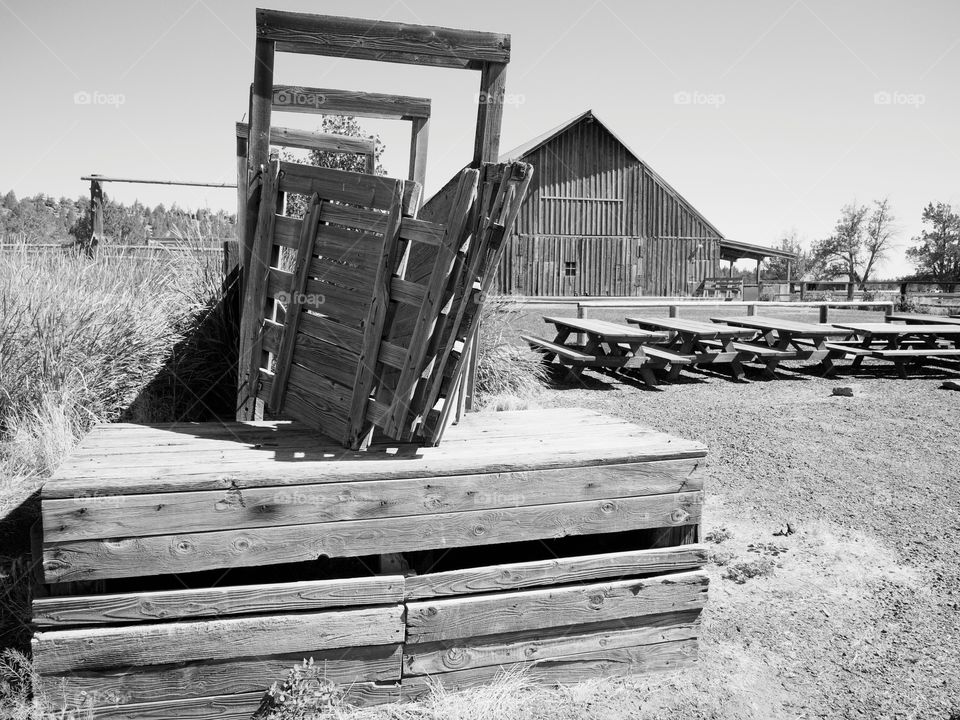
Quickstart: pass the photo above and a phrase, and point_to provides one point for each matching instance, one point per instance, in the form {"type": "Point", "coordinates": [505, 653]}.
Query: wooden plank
{"type": "Point", "coordinates": [361, 39]}
{"type": "Point", "coordinates": [493, 80]}
{"type": "Point", "coordinates": [234, 707]}
{"type": "Point", "coordinates": [491, 614]}
{"type": "Point", "coordinates": [370, 191]}
{"type": "Point", "coordinates": [373, 329]}
{"type": "Point", "coordinates": [408, 461]}
{"type": "Point", "coordinates": [257, 290]}
{"type": "Point", "coordinates": [189, 552]}
{"type": "Point", "coordinates": [153, 683]}
{"type": "Point", "coordinates": [342, 304]}
{"type": "Point", "coordinates": [216, 602]}
{"type": "Point", "coordinates": [604, 663]}
{"type": "Point", "coordinates": [433, 299]}
{"type": "Point", "coordinates": [58, 651]}
{"type": "Point", "coordinates": [555, 643]}
{"type": "Point", "coordinates": [294, 305]}
{"type": "Point", "coordinates": [312, 140]}
{"type": "Point", "coordinates": [510, 576]}
{"type": "Point", "coordinates": [328, 101]}
{"type": "Point", "coordinates": [154, 514]}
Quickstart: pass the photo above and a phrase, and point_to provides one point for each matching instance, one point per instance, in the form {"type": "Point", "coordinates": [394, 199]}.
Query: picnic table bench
{"type": "Point", "coordinates": [692, 342]}
{"type": "Point", "coordinates": [608, 345]}
{"type": "Point", "coordinates": [779, 340]}
{"type": "Point", "coordinates": [899, 343]}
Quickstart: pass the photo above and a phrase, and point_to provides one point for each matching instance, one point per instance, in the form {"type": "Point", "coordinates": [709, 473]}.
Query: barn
{"type": "Point", "coordinates": [599, 221]}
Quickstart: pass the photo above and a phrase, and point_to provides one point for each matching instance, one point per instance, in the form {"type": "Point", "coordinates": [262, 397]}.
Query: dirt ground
{"type": "Point", "coordinates": [857, 613]}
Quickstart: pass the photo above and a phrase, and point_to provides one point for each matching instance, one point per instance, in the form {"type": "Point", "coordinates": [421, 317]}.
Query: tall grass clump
{"type": "Point", "coordinates": [82, 339]}
{"type": "Point", "coordinates": [509, 376]}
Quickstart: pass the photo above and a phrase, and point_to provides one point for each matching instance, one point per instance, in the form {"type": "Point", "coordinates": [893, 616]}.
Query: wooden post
{"type": "Point", "coordinates": [674, 311]}
{"type": "Point", "coordinates": [903, 295]}
{"type": "Point", "coordinates": [850, 290]}
{"type": "Point", "coordinates": [96, 215]}
{"type": "Point", "coordinates": [239, 226]}
{"type": "Point", "coordinates": [493, 80]}
{"type": "Point", "coordinates": [803, 290]}
{"type": "Point", "coordinates": [751, 309]}
{"type": "Point", "coordinates": [261, 100]}
{"type": "Point", "coordinates": [824, 312]}
{"type": "Point", "coordinates": [419, 135]}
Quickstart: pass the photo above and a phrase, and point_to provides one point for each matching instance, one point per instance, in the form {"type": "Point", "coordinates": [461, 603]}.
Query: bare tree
{"type": "Point", "coordinates": [880, 233]}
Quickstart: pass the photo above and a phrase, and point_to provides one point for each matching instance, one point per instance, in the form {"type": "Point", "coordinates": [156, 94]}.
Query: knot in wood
{"type": "Point", "coordinates": [183, 547]}
{"type": "Point", "coordinates": [679, 515]}
{"type": "Point", "coordinates": [608, 507]}
{"type": "Point", "coordinates": [596, 601]}
{"type": "Point", "coordinates": [479, 530]}
{"type": "Point", "coordinates": [455, 658]}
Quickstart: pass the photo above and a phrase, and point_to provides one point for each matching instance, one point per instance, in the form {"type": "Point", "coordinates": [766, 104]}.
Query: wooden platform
{"type": "Point", "coordinates": [188, 566]}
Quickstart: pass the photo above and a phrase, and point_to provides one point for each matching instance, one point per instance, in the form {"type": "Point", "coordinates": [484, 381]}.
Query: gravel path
{"type": "Point", "coordinates": [855, 615]}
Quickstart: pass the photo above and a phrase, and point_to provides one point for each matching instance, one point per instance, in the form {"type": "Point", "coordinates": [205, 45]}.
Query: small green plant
{"type": "Point", "coordinates": [743, 571]}
{"type": "Point", "coordinates": [718, 535]}
{"type": "Point", "coordinates": [303, 693]}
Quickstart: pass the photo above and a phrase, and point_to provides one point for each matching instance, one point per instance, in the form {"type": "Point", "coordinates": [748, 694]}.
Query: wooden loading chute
{"type": "Point", "coordinates": [352, 38]}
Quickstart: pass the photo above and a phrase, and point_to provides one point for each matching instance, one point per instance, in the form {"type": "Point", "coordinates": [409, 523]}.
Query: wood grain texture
{"type": "Point", "coordinates": [327, 101]}
{"type": "Point", "coordinates": [234, 707]}
{"type": "Point", "coordinates": [156, 513]}
{"type": "Point", "coordinates": [537, 645]}
{"type": "Point", "coordinates": [371, 191]}
{"type": "Point", "coordinates": [361, 39]}
{"type": "Point", "coordinates": [462, 452]}
{"type": "Point", "coordinates": [216, 602]}
{"type": "Point", "coordinates": [576, 668]}
{"type": "Point", "coordinates": [558, 571]}
{"type": "Point", "coordinates": [59, 651]}
{"type": "Point", "coordinates": [189, 552]}
{"type": "Point", "coordinates": [153, 683]}
{"type": "Point", "coordinates": [312, 140]}
{"type": "Point", "coordinates": [465, 617]}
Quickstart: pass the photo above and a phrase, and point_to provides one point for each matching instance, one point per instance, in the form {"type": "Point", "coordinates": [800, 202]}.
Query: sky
{"type": "Point", "coordinates": [768, 115]}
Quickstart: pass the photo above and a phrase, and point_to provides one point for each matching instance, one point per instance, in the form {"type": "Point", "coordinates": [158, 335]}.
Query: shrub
{"type": "Point", "coordinates": [508, 376]}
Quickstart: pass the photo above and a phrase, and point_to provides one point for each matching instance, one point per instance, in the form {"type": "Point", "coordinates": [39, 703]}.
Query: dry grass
{"type": "Point", "coordinates": [508, 377]}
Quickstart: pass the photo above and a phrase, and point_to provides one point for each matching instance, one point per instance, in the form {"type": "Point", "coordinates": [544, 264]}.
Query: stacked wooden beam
{"type": "Point", "coordinates": [137, 507]}
{"type": "Point", "coordinates": [354, 337]}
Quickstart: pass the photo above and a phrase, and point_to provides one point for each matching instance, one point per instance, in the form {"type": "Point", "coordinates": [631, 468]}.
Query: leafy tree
{"type": "Point", "coordinates": [10, 200]}
{"type": "Point", "coordinates": [337, 125]}
{"type": "Point", "coordinates": [860, 240]}
{"type": "Point", "coordinates": [776, 268]}
{"type": "Point", "coordinates": [936, 253]}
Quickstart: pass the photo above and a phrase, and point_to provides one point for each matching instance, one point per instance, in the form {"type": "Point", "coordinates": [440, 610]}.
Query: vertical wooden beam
{"type": "Point", "coordinates": [240, 224]}
{"type": "Point", "coordinates": [258, 155]}
{"type": "Point", "coordinates": [419, 135]}
{"type": "Point", "coordinates": [493, 80]}
{"type": "Point", "coordinates": [96, 213]}
{"type": "Point", "coordinates": [261, 101]}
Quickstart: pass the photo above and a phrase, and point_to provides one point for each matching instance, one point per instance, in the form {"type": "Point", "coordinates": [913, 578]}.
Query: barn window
{"type": "Point", "coordinates": [569, 268]}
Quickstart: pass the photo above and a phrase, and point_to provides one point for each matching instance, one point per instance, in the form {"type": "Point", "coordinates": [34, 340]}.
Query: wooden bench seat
{"type": "Point", "coordinates": [664, 355]}
{"type": "Point", "coordinates": [571, 356]}
{"type": "Point", "coordinates": [762, 350]}
{"type": "Point", "coordinates": [848, 348]}
{"type": "Point", "coordinates": [916, 352]}
{"type": "Point", "coordinates": [561, 351]}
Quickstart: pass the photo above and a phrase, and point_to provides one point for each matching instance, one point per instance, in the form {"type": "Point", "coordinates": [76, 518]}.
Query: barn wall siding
{"type": "Point", "coordinates": [594, 204]}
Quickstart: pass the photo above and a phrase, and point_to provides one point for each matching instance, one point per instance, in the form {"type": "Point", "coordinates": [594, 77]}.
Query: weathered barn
{"type": "Point", "coordinates": [599, 221]}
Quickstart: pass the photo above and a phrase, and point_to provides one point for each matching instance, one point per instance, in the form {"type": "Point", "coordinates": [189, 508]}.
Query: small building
{"type": "Point", "coordinates": [599, 221]}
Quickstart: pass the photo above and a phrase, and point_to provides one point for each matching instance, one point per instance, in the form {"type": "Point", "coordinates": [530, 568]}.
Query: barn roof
{"type": "Point", "coordinates": [528, 147]}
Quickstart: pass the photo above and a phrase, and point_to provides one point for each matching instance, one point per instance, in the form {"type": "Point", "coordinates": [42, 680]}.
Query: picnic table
{"type": "Point", "coordinates": [779, 340]}
{"type": "Point", "coordinates": [921, 319]}
{"type": "Point", "coordinates": [692, 342]}
{"type": "Point", "coordinates": [901, 344]}
{"type": "Point", "coordinates": [608, 345]}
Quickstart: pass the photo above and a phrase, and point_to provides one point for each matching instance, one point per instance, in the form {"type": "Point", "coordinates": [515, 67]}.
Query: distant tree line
{"type": "Point", "coordinates": [863, 236]}
{"type": "Point", "coordinates": [42, 219]}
